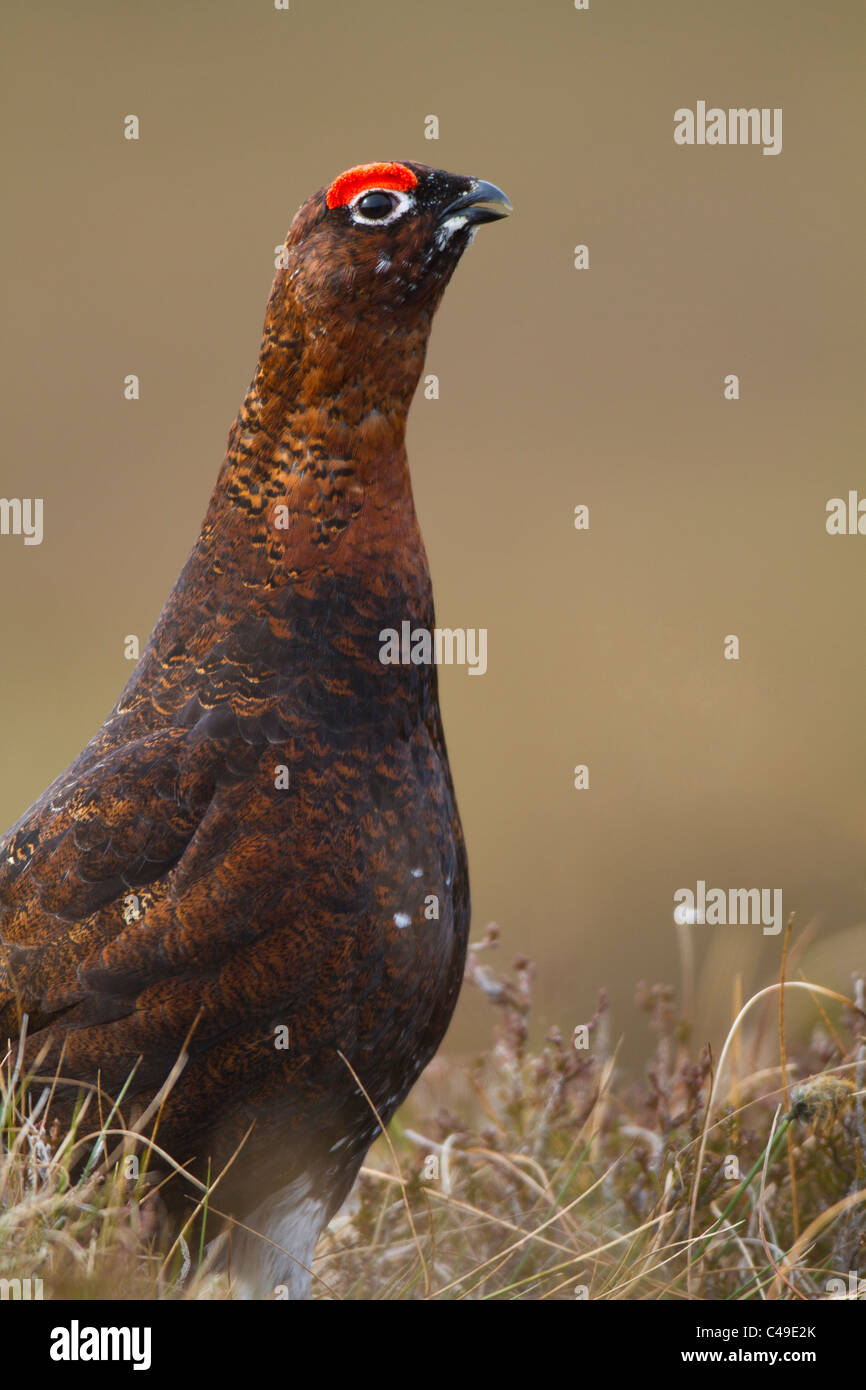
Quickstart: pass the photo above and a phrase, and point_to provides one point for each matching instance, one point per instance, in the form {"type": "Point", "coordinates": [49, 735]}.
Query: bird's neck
{"type": "Point", "coordinates": [315, 486]}
{"type": "Point", "coordinates": [311, 538]}
{"type": "Point", "coordinates": [347, 370]}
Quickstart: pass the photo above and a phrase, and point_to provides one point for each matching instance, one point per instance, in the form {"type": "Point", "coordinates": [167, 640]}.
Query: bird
{"type": "Point", "coordinates": [252, 882]}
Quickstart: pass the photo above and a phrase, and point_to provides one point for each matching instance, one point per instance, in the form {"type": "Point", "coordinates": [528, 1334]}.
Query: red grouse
{"type": "Point", "coordinates": [259, 853]}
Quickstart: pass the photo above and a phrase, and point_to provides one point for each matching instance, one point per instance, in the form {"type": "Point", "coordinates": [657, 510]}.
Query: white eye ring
{"type": "Point", "coordinates": [403, 202]}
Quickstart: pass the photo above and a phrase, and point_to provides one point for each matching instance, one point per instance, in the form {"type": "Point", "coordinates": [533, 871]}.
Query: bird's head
{"type": "Point", "coordinates": [383, 237]}
{"type": "Point", "coordinates": [365, 264]}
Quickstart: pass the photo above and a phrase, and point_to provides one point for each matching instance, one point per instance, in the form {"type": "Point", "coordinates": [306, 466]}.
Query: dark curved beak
{"type": "Point", "coordinates": [472, 205]}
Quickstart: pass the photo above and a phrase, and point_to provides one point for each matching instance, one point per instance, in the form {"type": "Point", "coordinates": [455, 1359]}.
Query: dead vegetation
{"type": "Point", "coordinates": [529, 1173]}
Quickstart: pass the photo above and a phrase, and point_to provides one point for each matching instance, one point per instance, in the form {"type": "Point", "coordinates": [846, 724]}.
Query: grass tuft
{"type": "Point", "coordinates": [530, 1172]}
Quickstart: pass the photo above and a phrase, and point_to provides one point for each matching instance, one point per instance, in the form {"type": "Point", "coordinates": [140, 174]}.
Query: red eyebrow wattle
{"type": "Point", "coordinates": [348, 185]}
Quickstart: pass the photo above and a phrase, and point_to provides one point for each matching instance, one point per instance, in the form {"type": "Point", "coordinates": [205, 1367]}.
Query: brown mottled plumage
{"type": "Point", "coordinates": [165, 884]}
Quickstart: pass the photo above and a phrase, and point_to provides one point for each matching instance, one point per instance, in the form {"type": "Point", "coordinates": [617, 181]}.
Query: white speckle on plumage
{"type": "Point", "coordinates": [416, 873]}
{"type": "Point", "coordinates": [448, 228]}
{"type": "Point", "coordinates": [383, 264]}
{"type": "Point", "coordinates": [402, 919]}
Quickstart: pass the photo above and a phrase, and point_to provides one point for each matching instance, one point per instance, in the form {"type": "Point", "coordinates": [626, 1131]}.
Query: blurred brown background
{"type": "Point", "coordinates": [557, 387]}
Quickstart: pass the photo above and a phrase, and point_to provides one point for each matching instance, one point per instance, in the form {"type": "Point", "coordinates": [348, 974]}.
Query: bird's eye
{"type": "Point", "coordinates": [379, 206]}
{"type": "Point", "coordinates": [376, 205]}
